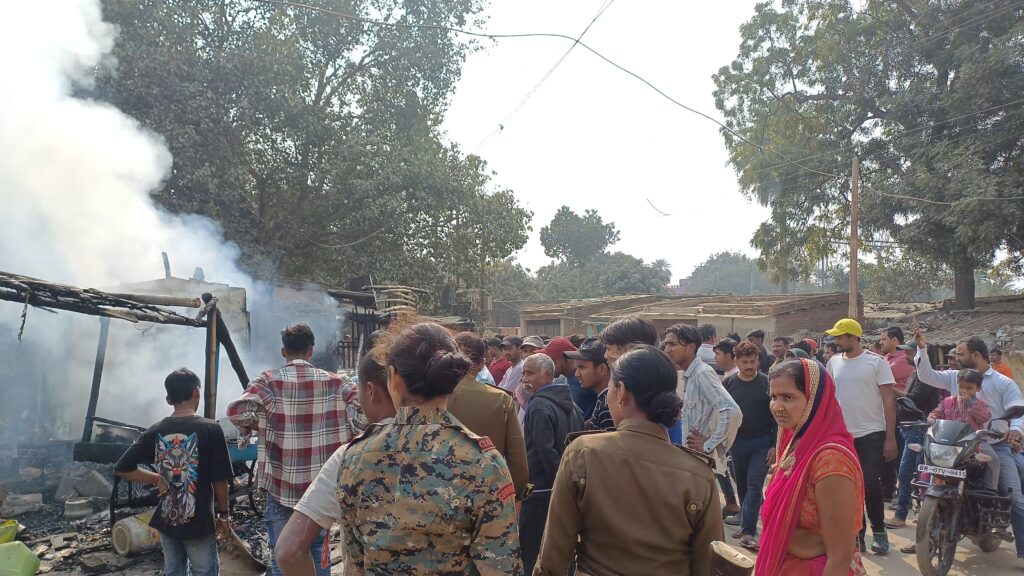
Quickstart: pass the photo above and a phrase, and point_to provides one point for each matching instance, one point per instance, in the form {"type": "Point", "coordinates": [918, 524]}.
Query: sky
{"type": "Point", "coordinates": [592, 137]}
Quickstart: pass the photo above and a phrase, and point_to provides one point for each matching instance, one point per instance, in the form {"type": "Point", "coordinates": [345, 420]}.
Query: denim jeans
{"type": "Point", "coordinates": [1009, 483]}
{"type": "Point", "coordinates": [869, 452]}
{"type": "Point", "coordinates": [277, 516]}
{"type": "Point", "coordinates": [750, 462]}
{"type": "Point", "coordinates": [182, 555]}
{"type": "Point", "coordinates": [908, 470]}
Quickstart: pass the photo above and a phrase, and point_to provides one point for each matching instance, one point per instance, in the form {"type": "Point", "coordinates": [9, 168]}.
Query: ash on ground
{"type": "Point", "coordinates": [38, 481]}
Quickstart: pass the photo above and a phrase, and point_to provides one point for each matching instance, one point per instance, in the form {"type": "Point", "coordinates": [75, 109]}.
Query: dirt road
{"type": "Point", "coordinates": [970, 561]}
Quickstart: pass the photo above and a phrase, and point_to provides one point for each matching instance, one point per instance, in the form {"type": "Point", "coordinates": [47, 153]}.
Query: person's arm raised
{"type": "Point", "coordinates": [925, 372]}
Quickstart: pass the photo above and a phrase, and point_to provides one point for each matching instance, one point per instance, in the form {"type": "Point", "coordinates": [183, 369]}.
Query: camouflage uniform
{"type": "Point", "coordinates": [424, 495]}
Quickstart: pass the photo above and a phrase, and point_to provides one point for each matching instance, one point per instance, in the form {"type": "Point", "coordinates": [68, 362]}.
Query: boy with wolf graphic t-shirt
{"type": "Point", "coordinates": [193, 469]}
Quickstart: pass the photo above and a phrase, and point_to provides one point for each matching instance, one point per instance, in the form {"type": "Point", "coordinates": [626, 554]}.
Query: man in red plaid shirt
{"type": "Point", "coordinates": [301, 414]}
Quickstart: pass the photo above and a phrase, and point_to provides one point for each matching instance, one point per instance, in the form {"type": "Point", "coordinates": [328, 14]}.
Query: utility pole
{"type": "Point", "coordinates": [854, 199]}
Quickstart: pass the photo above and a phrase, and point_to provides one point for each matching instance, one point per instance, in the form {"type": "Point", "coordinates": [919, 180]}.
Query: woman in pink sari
{"type": "Point", "coordinates": [814, 504]}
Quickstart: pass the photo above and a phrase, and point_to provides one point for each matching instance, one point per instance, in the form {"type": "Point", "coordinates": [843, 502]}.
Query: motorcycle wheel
{"type": "Point", "coordinates": [989, 543]}
{"type": "Point", "coordinates": [936, 544]}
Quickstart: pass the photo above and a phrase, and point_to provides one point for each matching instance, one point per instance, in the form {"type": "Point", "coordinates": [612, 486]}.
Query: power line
{"type": "Point", "coordinates": [536, 87]}
{"type": "Point", "coordinates": [576, 41]}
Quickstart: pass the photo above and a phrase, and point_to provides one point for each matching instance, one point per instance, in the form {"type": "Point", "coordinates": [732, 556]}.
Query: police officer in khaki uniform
{"type": "Point", "coordinates": [628, 501]}
{"type": "Point", "coordinates": [490, 411]}
{"type": "Point", "coordinates": [424, 495]}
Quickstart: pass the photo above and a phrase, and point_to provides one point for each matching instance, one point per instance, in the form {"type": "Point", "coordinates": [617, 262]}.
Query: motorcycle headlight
{"type": "Point", "coordinates": [942, 455]}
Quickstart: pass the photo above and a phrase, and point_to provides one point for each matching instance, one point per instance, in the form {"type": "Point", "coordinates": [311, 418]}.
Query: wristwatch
{"type": "Point", "coordinates": [223, 515]}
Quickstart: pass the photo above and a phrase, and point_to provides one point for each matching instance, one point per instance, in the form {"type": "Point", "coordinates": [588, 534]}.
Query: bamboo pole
{"type": "Point", "coordinates": [212, 356]}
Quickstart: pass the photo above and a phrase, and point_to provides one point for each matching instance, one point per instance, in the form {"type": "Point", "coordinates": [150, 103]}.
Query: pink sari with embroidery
{"type": "Point", "coordinates": [819, 447]}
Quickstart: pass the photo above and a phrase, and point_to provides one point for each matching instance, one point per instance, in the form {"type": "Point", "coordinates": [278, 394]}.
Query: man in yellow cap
{"type": "Point", "coordinates": [865, 391]}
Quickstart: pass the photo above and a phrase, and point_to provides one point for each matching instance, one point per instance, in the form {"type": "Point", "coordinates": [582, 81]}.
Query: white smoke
{"type": "Point", "coordinates": [75, 183]}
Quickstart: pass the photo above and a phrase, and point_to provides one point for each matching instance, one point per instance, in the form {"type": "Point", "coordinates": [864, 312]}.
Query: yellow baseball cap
{"type": "Point", "coordinates": [846, 326]}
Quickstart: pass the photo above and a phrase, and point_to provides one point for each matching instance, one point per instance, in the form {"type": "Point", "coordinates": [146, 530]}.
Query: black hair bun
{"type": "Point", "coordinates": [445, 370]}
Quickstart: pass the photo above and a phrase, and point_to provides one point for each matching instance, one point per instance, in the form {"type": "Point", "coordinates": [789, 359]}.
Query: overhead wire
{"type": "Point", "coordinates": [543, 79]}
{"type": "Point", "coordinates": [578, 42]}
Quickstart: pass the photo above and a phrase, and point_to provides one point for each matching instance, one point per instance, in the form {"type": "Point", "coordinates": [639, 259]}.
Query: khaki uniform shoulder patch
{"type": "Point", "coordinates": [707, 459]}
{"type": "Point", "coordinates": [574, 435]}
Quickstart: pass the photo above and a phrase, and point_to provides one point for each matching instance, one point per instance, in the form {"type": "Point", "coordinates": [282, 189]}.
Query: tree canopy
{"type": "Point", "coordinates": [575, 239]}
{"type": "Point", "coordinates": [314, 140]}
{"type": "Point", "coordinates": [926, 94]}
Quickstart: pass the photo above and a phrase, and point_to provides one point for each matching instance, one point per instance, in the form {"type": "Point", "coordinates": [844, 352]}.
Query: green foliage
{"type": "Point", "coordinates": [925, 93]}
{"type": "Point", "coordinates": [575, 239]}
{"type": "Point", "coordinates": [603, 275]}
{"type": "Point", "coordinates": [508, 280]}
{"type": "Point", "coordinates": [315, 140]}
{"type": "Point", "coordinates": [736, 273]}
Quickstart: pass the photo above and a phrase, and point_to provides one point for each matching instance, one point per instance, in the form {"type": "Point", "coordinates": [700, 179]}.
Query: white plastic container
{"type": "Point", "coordinates": [133, 535]}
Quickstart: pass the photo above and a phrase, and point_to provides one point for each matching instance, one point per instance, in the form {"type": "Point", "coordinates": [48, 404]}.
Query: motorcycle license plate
{"type": "Point", "coordinates": [952, 472]}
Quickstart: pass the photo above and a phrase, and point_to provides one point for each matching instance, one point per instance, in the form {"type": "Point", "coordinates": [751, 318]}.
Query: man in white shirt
{"type": "Point", "coordinates": [319, 510]}
{"type": "Point", "coordinates": [999, 392]}
{"type": "Point", "coordinates": [725, 358]}
{"type": "Point", "coordinates": [865, 391]}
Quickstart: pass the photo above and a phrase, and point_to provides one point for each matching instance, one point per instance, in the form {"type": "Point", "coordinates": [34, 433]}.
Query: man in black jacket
{"type": "Point", "coordinates": [550, 417]}
{"type": "Point", "coordinates": [926, 398]}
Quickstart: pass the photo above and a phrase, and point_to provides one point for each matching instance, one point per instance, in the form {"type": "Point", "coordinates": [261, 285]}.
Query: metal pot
{"type": "Point", "coordinates": [115, 434]}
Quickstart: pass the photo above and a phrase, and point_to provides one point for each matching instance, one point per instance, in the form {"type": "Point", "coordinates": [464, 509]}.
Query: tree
{"type": "Point", "coordinates": [926, 94]}
{"type": "Point", "coordinates": [603, 275]}
{"type": "Point", "coordinates": [575, 239]}
{"type": "Point", "coordinates": [727, 273]}
{"type": "Point", "coordinates": [508, 280]}
{"type": "Point", "coordinates": [315, 140]}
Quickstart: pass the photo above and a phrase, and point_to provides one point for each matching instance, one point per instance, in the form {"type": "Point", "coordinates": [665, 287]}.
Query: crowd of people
{"type": "Point", "coordinates": [628, 453]}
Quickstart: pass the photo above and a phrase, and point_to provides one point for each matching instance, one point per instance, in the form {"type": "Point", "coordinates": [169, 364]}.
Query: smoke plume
{"type": "Point", "coordinates": [75, 181]}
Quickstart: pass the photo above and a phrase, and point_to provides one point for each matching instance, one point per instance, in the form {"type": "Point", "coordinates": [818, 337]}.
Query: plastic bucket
{"type": "Point", "coordinates": [17, 560]}
{"type": "Point", "coordinates": [133, 535]}
{"type": "Point", "coordinates": [8, 530]}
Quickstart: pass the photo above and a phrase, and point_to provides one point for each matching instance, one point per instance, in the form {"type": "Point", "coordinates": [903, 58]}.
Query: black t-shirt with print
{"type": "Point", "coordinates": [190, 453]}
{"type": "Point", "coordinates": [602, 418]}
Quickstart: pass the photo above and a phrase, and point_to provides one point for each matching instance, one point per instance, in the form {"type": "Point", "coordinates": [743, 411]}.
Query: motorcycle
{"type": "Point", "coordinates": [955, 502]}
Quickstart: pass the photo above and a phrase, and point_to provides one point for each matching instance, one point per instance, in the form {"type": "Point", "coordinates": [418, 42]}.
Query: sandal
{"type": "Point", "coordinates": [894, 524]}
{"type": "Point", "coordinates": [909, 548]}
{"type": "Point", "coordinates": [737, 534]}
{"type": "Point", "coordinates": [749, 542]}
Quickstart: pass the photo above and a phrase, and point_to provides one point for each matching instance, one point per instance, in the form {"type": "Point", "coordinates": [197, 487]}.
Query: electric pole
{"type": "Point", "coordinates": [854, 199]}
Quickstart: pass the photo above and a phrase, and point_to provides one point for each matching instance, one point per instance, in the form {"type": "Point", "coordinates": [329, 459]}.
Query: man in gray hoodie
{"type": "Point", "coordinates": [550, 417]}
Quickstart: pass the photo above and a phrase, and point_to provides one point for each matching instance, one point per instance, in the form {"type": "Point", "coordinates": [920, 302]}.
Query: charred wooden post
{"type": "Point", "coordinates": [97, 375]}
{"type": "Point", "coordinates": [224, 337]}
{"type": "Point", "coordinates": [212, 358]}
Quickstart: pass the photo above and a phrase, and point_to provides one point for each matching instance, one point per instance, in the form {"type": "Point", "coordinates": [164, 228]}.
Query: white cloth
{"type": "Point", "coordinates": [857, 381]}
{"type": "Point", "coordinates": [730, 372]}
{"type": "Point", "coordinates": [484, 376]}
{"type": "Point", "coordinates": [706, 353]}
{"type": "Point", "coordinates": [320, 502]}
{"type": "Point", "coordinates": [997, 390]}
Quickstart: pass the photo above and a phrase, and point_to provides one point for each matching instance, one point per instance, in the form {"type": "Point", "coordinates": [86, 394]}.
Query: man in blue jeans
{"type": "Point", "coordinates": [1000, 393]}
{"type": "Point", "coordinates": [754, 445]}
{"type": "Point", "coordinates": [193, 469]}
{"type": "Point", "coordinates": [926, 398]}
{"type": "Point", "coordinates": [302, 415]}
